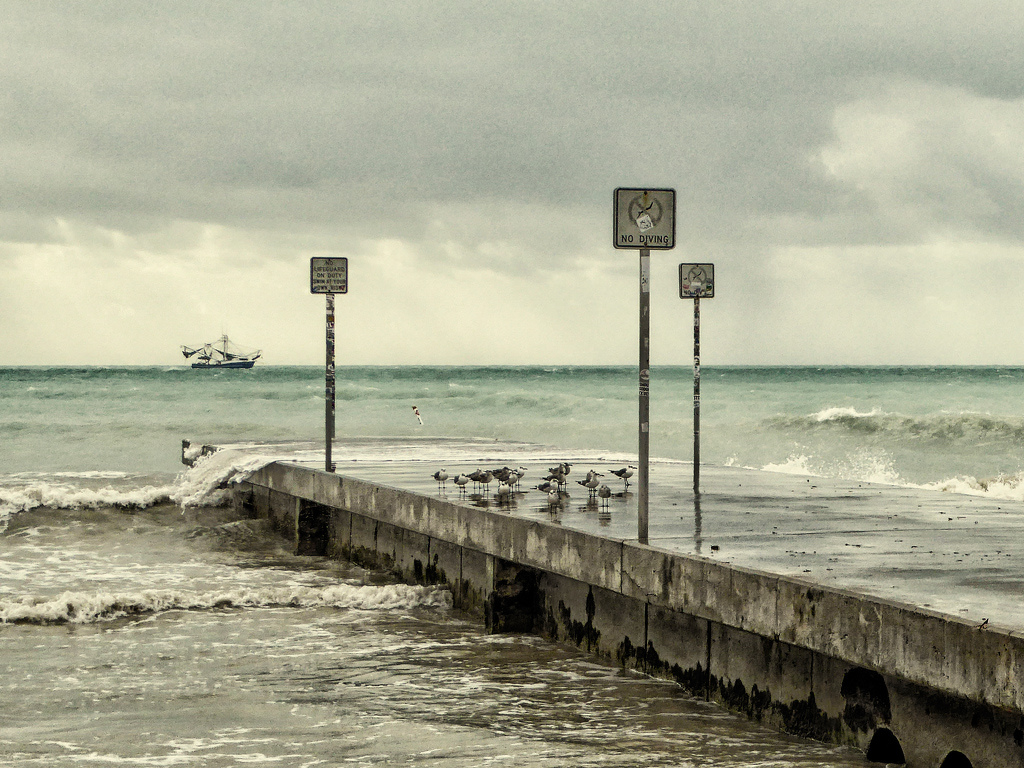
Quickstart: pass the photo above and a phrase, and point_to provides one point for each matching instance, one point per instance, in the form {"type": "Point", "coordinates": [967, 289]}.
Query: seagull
{"type": "Point", "coordinates": [591, 483]}
{"type": "Point", "coordinates": [485, 478]}
{"type": "Point", "coordinates": [559, 473]}
{"type": "Point", "coordinates": [475, 476]}
{"type": "Point", "coordinates": [591, 474]}
{"type": "Point", "coordinates": [605, 493]}
{"type": "Point", "coordinates": [461, 481]}
{"type": "Point", "coordinates": [547, 485]}
{"type": "Point", "coordinates": [504, 493]}
{"type": "Point", "coordinates": [441, 475]}
{"type": "Point", "coordinates": [553, 497]}
{"type": "Point", "coordinates": [624, 474]}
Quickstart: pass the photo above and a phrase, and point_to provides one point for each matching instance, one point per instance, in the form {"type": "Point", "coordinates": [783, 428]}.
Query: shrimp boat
{"type": "Point", "coordinates": [221, 354]}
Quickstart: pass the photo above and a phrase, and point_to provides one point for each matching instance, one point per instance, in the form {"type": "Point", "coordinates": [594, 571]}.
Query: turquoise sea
{"type": "Point", "coordinates": [140, 625]}
{"type": "Point", "coordinates": [942, 427]}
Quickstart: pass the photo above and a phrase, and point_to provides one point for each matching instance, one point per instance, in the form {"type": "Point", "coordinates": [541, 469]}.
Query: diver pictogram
{"type": "Point", "coordinates": [645, 218]}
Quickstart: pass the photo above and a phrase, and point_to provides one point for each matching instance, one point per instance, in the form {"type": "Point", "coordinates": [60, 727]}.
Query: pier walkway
{"type": "Point", "coordinates": [952, 553]}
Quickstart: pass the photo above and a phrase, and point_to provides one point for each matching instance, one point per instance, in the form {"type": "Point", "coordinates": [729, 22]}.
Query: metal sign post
{"type": "Point", "coordinates": [329, 388]}
{"type": "Point", "coordinates": [644, 432]}
{"type": "Point", "coordinates": [644, 219]}
{"type": "Point", "coordinates": [695, 281]}
{"type": "Point", "coordinates": [329, 276]}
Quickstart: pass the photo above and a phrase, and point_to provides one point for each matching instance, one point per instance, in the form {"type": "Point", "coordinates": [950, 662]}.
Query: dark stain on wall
{"type": "Point", "coordinates": [799, 717]}
{"type": "Point", "coordinates": [515, 604]}
{"type": "Point", "coordinates": [867, 700]}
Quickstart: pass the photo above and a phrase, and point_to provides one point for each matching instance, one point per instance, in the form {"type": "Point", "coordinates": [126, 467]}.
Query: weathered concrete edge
{"type": "Point", "coordinates": [920, 646]}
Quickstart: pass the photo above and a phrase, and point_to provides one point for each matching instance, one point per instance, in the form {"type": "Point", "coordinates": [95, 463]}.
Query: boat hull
{"type": "Point", "coordinates": [232, 364]}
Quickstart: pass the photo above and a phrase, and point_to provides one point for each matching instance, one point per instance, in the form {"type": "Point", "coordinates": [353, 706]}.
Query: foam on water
{"type": "Point", "coordinates": [206, 483]}
{"type": "Point", "coordinates": [84, 607]}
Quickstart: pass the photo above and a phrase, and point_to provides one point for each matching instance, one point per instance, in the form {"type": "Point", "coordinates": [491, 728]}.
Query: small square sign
{"type": "Point", "coordinates": [696, 281]}
{"type": "Point", "coordinates": [328, 275]}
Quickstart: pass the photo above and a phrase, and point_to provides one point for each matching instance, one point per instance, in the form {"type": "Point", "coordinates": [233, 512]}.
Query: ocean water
{"type": "Point", "coordinates": [140, 625]}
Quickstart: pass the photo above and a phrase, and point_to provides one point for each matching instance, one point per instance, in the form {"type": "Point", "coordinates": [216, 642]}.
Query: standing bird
{"type": "Point", "coordinates": [461, 481]}
{"type": "Point", "coordinates": [553, 497]}
{"type": "Point", "coordinates": [624, 474]}
{"type": "Point", "coordinates": [562, 468]}
{"type": "Point", "coordinates": [559, 474]}
{"type": "Point", "coordinates": [504, 493]}
{"type": "Point", "coordinates": [441, 476]}
{"type": "Point", "coordinates": [591, 483]}
{"type": "Point", "coordinates": [604, 493]}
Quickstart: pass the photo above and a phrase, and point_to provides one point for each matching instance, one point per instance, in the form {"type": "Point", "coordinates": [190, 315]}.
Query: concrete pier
{"type": "Point", "coordinates": [844, 613]}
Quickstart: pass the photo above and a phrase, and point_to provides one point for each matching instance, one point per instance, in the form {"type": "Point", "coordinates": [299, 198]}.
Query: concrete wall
{"type": "Point", "coordinates": [891, 679]}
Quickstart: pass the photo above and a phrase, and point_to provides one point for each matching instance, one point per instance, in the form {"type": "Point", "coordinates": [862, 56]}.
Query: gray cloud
{"type": "Point", "coordinates": [481, 138]}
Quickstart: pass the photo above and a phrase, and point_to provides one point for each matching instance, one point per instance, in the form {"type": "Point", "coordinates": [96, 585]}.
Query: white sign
{"type": "Point", "coordinates": [328, 275]}
{"type": "Point", "coordinates": [696, 281]}
{"type": "Point", "coordinates": [645, 218]}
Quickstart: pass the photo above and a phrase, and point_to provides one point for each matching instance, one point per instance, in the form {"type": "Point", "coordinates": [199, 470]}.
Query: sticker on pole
{"type": "Point", "coordinates": [328, 275]}
{"type": "Point", "coordinates": [696, 281]}
{"type": "Point", "coordinates": [645, 218]}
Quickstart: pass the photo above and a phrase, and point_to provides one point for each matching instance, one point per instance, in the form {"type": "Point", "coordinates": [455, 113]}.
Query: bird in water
{"type": "Point", "coordinates": [624, 474]}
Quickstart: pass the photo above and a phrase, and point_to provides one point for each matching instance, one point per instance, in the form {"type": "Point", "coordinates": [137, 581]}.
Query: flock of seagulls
{"type": "Point", "coordinates": [554, 484]}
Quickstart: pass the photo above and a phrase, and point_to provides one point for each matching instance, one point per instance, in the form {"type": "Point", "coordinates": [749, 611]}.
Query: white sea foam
{"type": "Point", "coordinates": [206, 483]}
{"type": "Point", "coordinates": [863, 466]}
{"type": "Point", "coordinates": [838, 413]}
{"type": "Point", "coordinates": [86, 607]}
{"type": "Point", "coordinates": [58, 495]}
{"type": "Point", "coordinates": [1009, 487]}
{"type": "Point", "coordinates": [794, 465]}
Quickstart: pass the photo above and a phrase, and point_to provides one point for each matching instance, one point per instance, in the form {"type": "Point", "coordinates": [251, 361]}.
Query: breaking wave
{"type": "Point", "coordinates": [864, 467]}
{"type": "Point", "coordinates": [1009, 487]}
{"type": "Point", "coordinates": [940, 427]}
{"type": "Point", "coordinates": [880, 470]}
{"type": "Point", "coordinates": [86, 608]}
{"type": "Point", "coordinates": [206, 483]}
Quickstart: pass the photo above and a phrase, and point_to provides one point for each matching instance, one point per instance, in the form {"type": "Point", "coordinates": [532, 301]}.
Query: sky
{"type": "Point", "coordinates": [854, 171]}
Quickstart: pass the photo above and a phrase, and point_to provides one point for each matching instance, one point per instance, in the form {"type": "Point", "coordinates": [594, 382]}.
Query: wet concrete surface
{"type": "Point", "coordinates": [950, 553]}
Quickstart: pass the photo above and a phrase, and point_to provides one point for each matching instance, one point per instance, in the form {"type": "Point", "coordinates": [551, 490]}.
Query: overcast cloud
{"type": "Point", "coordinates": [855, 173]}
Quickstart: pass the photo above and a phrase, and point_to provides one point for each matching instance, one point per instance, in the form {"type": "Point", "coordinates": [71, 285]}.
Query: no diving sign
{"type": "Point", "coordinates": [645, 218]}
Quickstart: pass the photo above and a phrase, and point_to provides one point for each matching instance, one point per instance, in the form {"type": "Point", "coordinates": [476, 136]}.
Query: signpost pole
{"type": "Point", "coordinates": [328, 276]}
{"type": "Point", "coordinates": [644, 435]}
{"type": "Point", "coordinates": [644, 219]}
{"type": "Point", "coordinates": [696, 281]}
{"type": "Point", "coordinates": [329, 389]}
{"type": "Point", "coordinates": [696, 395]}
